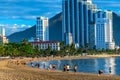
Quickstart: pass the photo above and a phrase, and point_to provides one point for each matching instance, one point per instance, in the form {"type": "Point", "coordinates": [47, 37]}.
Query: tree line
{"type": "Point", "coordinates": [26, 49]}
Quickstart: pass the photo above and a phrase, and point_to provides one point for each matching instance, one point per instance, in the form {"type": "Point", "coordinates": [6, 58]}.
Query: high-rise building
{"type": "Point", "coordinates": [92, 8]}
{"type": "Point", "coordinates": [3, 39]}
{"type": "Point", "coordinates": [85, 25]}
{"type": "Point", "coordinates": [103, 30]}
{"type": "Point", "coordinates": [2, 31]}
{"type": "Point", "coordinates": [76, 21]}
{"type": "Point", "coordinates": [42, 29]}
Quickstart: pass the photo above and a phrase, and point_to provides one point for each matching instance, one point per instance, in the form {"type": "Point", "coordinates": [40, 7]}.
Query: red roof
{"type": "Point", "coordinates": [42, 42]}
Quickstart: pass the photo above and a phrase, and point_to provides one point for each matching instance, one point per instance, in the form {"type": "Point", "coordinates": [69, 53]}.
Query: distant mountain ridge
{"type": "Point", "coordinates": [55, 31]}
{"type": "Point", "coordinates": [55, 28]}
{"type": "Point", "coordinates": [19, 36]}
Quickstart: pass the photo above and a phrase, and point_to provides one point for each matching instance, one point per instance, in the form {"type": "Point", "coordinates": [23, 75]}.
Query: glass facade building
{"type": "Point", "coordinates": [103, 30]}
{"type": "Point", "coordinates": [42, 29]}
{"type": "Point", "coordinates": [83, 24]}
{"type": "Point", "coordinates": [76, 21]}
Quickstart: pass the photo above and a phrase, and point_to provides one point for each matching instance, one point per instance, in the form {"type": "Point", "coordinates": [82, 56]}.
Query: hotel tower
{"type": "Point", "coordinates": [42, 29]}
{"type": "Point", "coordinates": [80, 25]}
{"type": "Point", "coordinates": [76, 21]}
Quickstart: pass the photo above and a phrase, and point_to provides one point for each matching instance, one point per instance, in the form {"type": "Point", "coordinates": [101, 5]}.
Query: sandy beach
{"type": "Point", "coordinates": [14, 69]}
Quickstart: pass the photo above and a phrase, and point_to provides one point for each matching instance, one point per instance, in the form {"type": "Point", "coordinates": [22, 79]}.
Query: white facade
{"type": "Point", "coordinates": [42, 29]}
{"type": "Point", "coordinates": [2, 31]}
{"type": "Point", "coordinates": [44, 45]}
{"type": "Point", "coordinates": [68, 39]}
{"type": "Point", "coordinates": [3, 39]}
{"type": "Point", "coordinates": [103, 30]}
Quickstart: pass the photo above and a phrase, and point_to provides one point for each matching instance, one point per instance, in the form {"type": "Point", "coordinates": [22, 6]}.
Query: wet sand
{"type": "Point", "coordinates": [14, 69]}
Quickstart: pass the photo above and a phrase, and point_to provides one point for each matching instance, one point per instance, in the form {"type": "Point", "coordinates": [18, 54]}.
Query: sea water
{"type": "Point", "coordinates": [90, 65]}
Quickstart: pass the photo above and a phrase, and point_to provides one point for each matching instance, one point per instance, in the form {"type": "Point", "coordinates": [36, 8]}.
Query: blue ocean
{"type": "Point", "coordinates": [90, 65]}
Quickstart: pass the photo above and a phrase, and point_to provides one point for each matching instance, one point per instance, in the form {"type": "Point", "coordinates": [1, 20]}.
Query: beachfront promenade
{"type": "Point", "coordinates": [11, 70]}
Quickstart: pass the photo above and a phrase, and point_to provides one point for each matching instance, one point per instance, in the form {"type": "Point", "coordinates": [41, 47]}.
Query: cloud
{"type": "Point", "coordinates": [107, 4]}
{"type": "Point", "coordinates": [9, 29]}
{"type": "Point", "coordinates": [16, 9]}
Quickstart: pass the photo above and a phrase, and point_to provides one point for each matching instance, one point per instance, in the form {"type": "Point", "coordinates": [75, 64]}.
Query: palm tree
{"type": "Point", "coordinates": [24, 41]}
{"type": "Point", "coordinates": [62, 45]}
{"type": "Point", "coordinates": [47, 51]}
{"type": "Point", "coordinates": [86, 47]}
{"type": "Point", "coordinates": [2, 50]}
{"type": "Point", "coordinates": [73, 50]}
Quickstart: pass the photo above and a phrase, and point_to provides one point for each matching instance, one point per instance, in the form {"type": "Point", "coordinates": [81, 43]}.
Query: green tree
{"type": "Point", "coordinates": [47, 51]}
{"type": "Point", "coordinates": [38, 51]}
{"type": "Point", "coordinates": [73, 50]}
{"type": "Point", "coordinates": [80, 50]}
{"type": "Point", "coordinates": [2, 50]}
{"type": "Point", "coordinates": [86, 47]}
{"type": "Point", "coordinates": [67, 50]}
{"type": "Point", "coordinates": [26, 48]}
{"type": "Point", "coordinates": [24, 42]}
{"type": "Point", "coordinates": [62, 45]}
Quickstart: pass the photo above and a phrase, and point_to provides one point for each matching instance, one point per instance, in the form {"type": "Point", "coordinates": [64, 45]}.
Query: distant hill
{"type": "Point", "coordinates": [116, 29]}
{"type": "Point", "coordinates": [55, 31]}
{"type": "Point", "coordinates": [55, 28]}
{"type": "Point", "coordinates": [19, 36]}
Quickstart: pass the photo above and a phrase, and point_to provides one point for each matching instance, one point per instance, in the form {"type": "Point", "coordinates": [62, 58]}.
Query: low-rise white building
{"type": "Point", "coordinates": [45, 44]}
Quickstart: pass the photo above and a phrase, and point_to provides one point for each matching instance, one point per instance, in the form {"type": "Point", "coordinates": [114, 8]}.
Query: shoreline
{"type": "Point", "coordinates": [12, 71]}
{"type": "Point", "coordinates": [80, 57]}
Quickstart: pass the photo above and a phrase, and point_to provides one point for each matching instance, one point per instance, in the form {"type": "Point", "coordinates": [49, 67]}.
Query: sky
{"type": "Point", "coordinates": [18, 15]}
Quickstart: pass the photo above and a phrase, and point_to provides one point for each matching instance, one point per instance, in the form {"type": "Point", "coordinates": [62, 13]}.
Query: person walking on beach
{"type": "Point", "coordinates": [100, 72]}
{"type": "Point", "coordinates": [32, 64]}
{"type": "Point", "coordinates": [54, 67]}
{"type": "Point", "coordinates": [75, 68]}
{"type": "Point", "coordinates": [38, 65]}
{"type": "Point", "coordinates": [44, 65]}
{"type": "Point", "coordinates": [109, 70]}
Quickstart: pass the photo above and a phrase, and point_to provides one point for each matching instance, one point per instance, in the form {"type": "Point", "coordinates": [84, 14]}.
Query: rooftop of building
{"type": "Point", "coordinates": [42, 42]}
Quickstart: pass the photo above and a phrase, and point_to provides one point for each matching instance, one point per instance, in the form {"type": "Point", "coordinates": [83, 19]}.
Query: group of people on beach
{"type": "Point", "coordinates": [53, 67]}
{"type": "Point", "coordinates": [17, 62]}
{"type": "Point", "coordinates": [67, 68]}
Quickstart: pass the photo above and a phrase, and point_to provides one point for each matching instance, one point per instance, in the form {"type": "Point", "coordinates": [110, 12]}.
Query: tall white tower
{"type": "Point", "coordinates": [42, 29]}
{"type": "Point", "coordinates": [2, 31]}
{"type": "Point", "coordinates": [3, 39]}
{"type": "Point", "coordinates": [103, 30]}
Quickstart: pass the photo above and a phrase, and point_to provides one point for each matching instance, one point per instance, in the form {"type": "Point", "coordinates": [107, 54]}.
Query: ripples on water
{"type": "Point", "coordinates": [87, 65]}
